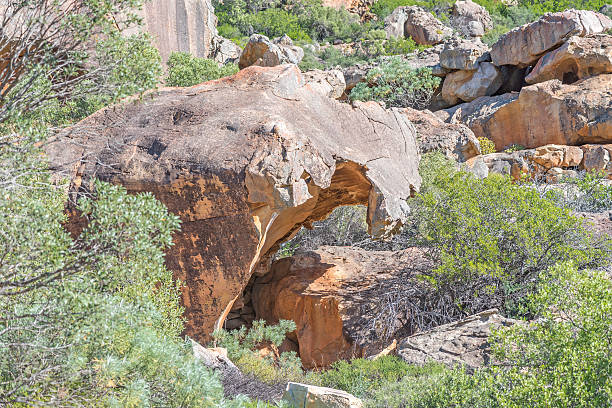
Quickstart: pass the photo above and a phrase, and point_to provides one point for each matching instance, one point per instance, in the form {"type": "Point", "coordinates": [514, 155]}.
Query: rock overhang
{"type": "Point", "coordinates": [245, 161]}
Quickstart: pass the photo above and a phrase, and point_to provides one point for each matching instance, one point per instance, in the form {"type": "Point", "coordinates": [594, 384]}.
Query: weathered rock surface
{"type": "Point", "coordinates": [263, 52]}
{"type": "Point", "coordinates": [310, 396]}
{"type": "Point", "coordinates": [524, 45]}
{"type": "Point", "coordinates": [328, 294]}
{"type": "Point", "coordinates": [185, 26]}
{"type": "Point", "coordinates": [245, 161]}
{"type": "Point", "coordinates": [224, 50]}
{"type": "Point", "coordinates": [459, 343]}
{"type": "Point", "coordinates": [454, 141]}
{"type": "Point", "coordinates": [359, 7]}
{"type": "Point", "coordinates": [549, 162]}
{"type": "Point", "coordinates": [578, 58]}
{"type": "Point", "coordinates": [463, 54]}
{"type": "Point", "coordinates": [470, 19]}
{"type": "Point", "coordinates": [215, 358]}
{"type": "Point", "coordinates": [415, 22]}
{"type": "Point", "coordinates": [469, 85]}
{"type": "Point", "coordinates": [546, 113]}
{"type": "Point", "coordinates": [330, 83]}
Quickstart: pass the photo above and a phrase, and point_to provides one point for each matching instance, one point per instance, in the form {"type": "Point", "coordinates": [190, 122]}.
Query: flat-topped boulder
{"type": "Point", "coordinates": [245, 161]}
{"type": "Point", "coordinates": [524, 45]}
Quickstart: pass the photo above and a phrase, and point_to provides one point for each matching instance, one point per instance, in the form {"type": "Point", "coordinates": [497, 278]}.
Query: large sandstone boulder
{"type": "Point", "coordinates": [578, 58]}
{"type": "Point", "coordinates": [263, 52]}
{"type": "Point", "coordinates": [546, 113]}
{"type": "Point", "coordinates": [470, 19]}
{"type": "Point", "coordinates": [179, 25]}
{"type": "Point", "coordinates": [462, 343]}
{"type": "Point", "coordinates": [524, 45]}
{"type": "Point", "coordinates": [311, 396]}
{"type": "Point", "coordinates": [454, 141]}
{"type": "Point", "coordinates": [469, 85]}
{"type": "Point", "coordinates": [245, 161]}
{"type": "Point", "coordinates": [329, 294]}
{"type": "Point", "coordinates": [415, 22]}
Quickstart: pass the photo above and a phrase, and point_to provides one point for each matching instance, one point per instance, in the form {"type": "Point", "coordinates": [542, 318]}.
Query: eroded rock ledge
{"type": "Point", "coordinates": [245, 161]}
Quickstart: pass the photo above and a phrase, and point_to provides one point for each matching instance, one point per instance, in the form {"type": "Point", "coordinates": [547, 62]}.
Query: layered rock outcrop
{"type": "Point", "coordinates": [245, 161]}
{"type": "Point", "coordinates": [545, 113]}
{"type": "Point", "coordinates": [524, 45]}
{"type": "Point", "coordinates": [578, 58]}
{"type": "Point", "coordinates": [329, 293]}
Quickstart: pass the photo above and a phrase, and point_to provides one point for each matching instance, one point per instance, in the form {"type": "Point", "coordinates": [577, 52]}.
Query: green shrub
{"type": "Point", "coordinates": [491, 238]}
{"type": "Point", "coordinates": [514, 148]}
{"type": "Point", "coordinates": [382, 8]}
{"type": "Point", "coordinates": [242, 345]}
{"type": "Point", "coordinates": [486, 145]}
{"type": "Point", "coordinates": [187, 70]}
{"type": "Point", "coordinates": [276, 22]}
{"type": "Point", "coordinates": [396, 84]}
{"type": "Point", "coordinates": [362, 377]}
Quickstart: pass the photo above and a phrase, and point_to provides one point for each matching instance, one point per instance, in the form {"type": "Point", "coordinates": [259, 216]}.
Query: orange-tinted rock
{"type": "Point", "coordinates": [546, 113]}
{"type": "Point", "coordinates": [524, 45]}
{"type": "Point", "coordinates": [326, 293]}
{"type": "Point", "coordinates": [245, 161]}
{"type": "Point", "coordinates": [578, 58]}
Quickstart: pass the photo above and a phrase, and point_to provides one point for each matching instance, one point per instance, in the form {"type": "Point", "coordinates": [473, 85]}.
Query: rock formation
{"type": "Point", "coordinates": [185, 26]}
{"type": "Point", "coordinates": [578, 58]}
{"type": "Point", "coordinates": [415, 22]}
{"type": "Point", "coordinates": [545, 113]}
{"type": "Point", "coordinates": [311, 396]}
{"type": "Point", "coordinates": [470, 19]}
{"type": "Point", "coordinates": [550, 162]}
{"type": "Point", "coordinates": [245, 161]}
{"type": "Point", "coordinates": [524, 45]}
{"type": "Point", "coordinates": [459, 343]}
{"type": "Point", "coordinates": [328, 293]}
{"type": "Point", "coordinates": [262, 52]}
{"type": "Point", "coordinates": [453, 140]}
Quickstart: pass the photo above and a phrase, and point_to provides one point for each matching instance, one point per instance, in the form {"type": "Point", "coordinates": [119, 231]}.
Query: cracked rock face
{"type": "Point", "coordinates": [459, 343]}
{"type": "Point", "coordinates": [245, 161]}
{"type": "Point", "coordinates": [333, 295]}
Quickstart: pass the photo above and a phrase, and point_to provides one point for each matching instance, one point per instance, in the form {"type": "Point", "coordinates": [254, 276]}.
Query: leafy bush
{"type": "Point", "coordinates": [588, 192]}
{"type": "Point", "coordinates": [382, 8]}
{"type": "Point", "coordinates": [496, 236]}
{"type": "Point", "coordinates": [396, 84]}
{"type": "Point", "coordinates": [486, 145]}
{"type": "Point", "coordinates": [362, 377]}
{"type": "Point", "coordinates": [242, 345]}
{"type": "Point", "coordinates": [275, 22]}
{"type": "Point", "coordinates": [187, 70]}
